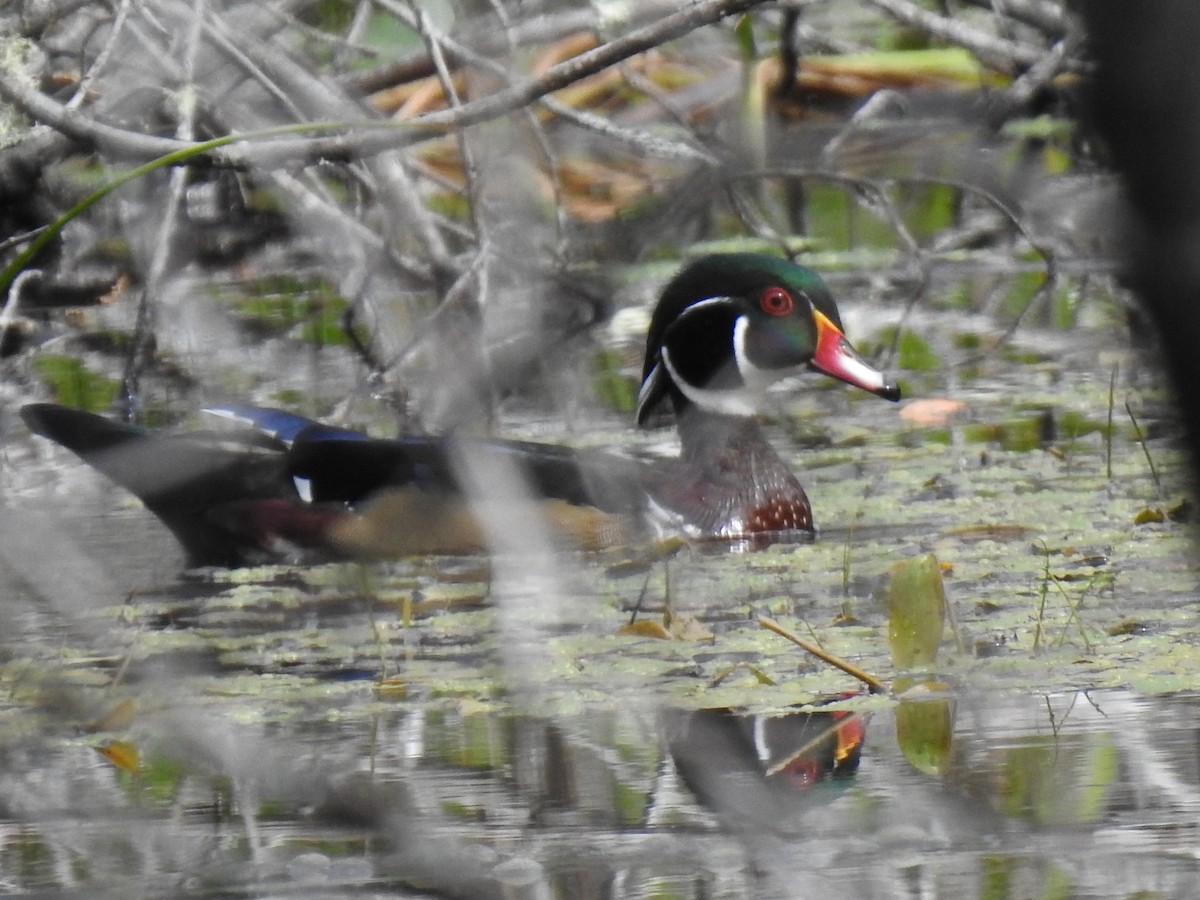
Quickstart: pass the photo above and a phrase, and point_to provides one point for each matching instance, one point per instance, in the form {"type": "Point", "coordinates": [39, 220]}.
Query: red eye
{"type": "Point", "coordinates": [776, 301]}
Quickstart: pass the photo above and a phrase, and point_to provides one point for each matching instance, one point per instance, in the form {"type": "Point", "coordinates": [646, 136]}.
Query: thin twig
{"type": "Point", "coordinates": [1045, 15]}
{"type": "Point", "coordinates": [110, 43]}
{"type": "Point", "coordinates": [874, 685]}
{"type": "Point", "coordinates": [1073, 616]}
{"type": "Point", "coordinates": [142, 340]}
{"type": "Point", "coordinates": [645, 142]}
{"type": "Point", "coordinates": [1141, 439]}
{"type": "Point", "coordinates": [1040, 74]}
{"type": "Point", "coordinates": [1108, 432]}
{"type": "Point", "coordinates": [876, 194]}
{"type": "Point", "coordinates": [1045, 590]}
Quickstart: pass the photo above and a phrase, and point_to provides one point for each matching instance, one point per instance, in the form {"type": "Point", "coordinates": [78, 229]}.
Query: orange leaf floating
{"type": "Point", "coordinates": [645, 628]}
{"type": "Point", "coordinates": [121, 754]}
{"type": "Point", "coordinates": [932, 410]}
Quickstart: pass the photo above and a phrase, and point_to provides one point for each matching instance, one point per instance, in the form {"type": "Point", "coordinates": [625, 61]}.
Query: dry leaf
{"type": "Point", "coordinates": [932, 411]}
{"type": "Point", "coordinates": [646, 628]}
{"type": "Point", "coordinates": [121, 754]}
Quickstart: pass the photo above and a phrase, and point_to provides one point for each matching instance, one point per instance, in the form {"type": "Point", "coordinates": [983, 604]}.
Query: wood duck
{"type": "Point", "coordinates": [725, 328]}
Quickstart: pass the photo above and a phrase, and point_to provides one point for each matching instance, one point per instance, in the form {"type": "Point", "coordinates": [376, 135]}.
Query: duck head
{"type": "Point", "coordinates": [729, 325]}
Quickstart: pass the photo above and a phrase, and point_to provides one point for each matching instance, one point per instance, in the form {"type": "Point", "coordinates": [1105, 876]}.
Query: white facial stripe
{"type": "Point", "coordinates": [650, 386]}
{"type": "Point", "coordinates": [744, 366]}
{"type": "Point", "coordinates": [734, 402]}
{"type": "Point", "coordinates": [740, 401]}
{"type": "Point", "coordinates": [702, 304]}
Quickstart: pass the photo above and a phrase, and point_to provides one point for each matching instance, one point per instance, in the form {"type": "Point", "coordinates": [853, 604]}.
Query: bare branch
{"type": "Point", "coordinates": [367, 138]}
{"type": "Point", "coordinates": [999, 53]}
{"type": "Point", "coordinates": [87, 130]}
{"type": "Point", "coordinates": [140, 347]}
{"type": "Point", "coordinates": [1045, 15]}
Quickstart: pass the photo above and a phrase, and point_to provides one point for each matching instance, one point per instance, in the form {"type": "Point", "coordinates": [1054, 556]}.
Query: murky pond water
{"type": "Point", "coordinates": [477, 728]}
{"type": "Point", "coordinates": [1077, 795]}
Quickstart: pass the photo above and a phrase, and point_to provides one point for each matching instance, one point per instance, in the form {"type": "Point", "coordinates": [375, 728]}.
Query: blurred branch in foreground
{"type": "Point", "coordinates": [427, 202]}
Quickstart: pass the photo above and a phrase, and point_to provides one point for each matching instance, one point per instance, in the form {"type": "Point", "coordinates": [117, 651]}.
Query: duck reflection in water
{"type": "Point", "coordinates": [764, 771]}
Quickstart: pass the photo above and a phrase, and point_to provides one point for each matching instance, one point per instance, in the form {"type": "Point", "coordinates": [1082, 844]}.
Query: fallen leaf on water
{"type": "Point", "coordinates": [646, 628]}
{"type": "Point", "coordinates": [121, 754]}
{"type": "Point", "coordinates": [1149, 515]}
{"type": "Point", "coordinates": [678, 628]}
{"type": "Point", "coordinates": [117, 718]}
{"type": "Point", "coordinates": [932, 411]}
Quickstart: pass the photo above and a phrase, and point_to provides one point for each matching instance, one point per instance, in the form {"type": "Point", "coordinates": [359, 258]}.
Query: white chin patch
{"type": "Point", "coordinates": [740, 401]}
{"type": "Point", "coordinates": [303, 488]}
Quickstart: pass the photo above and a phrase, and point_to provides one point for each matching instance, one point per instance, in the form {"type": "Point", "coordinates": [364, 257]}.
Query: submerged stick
{"type": "Point", "coordinates": [1108, 434]}
{"type": "Point", "coordinates": [1141, 439]}
{"type": "Point", "coordinates": [873, 684]}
